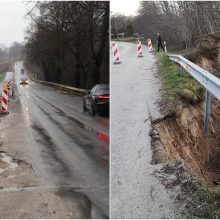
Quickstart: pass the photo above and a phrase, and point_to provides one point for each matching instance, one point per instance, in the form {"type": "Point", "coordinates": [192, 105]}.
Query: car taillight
{"type": "Point", "coordinates": [103, 96]}
{"type": "Point", "coordinates": [103, 137]}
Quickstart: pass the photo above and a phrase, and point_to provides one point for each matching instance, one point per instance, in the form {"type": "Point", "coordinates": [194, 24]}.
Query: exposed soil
{"type": "Point", "coordinates": [207, 53]}
{"type": "Point", "coordinates": [191, 160]}
{"type": "Point", "coordinates": [180, 131]}
{"type": "Point", "coordinates": [181, 137]}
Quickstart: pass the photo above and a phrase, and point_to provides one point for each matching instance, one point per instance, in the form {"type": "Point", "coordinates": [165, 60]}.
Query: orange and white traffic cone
{"type": "Point", "coordinates": [139, 49]}
{"type": "Point", "coordinates": [115, 53]}
{"type": "Point", "coordinates": [149, 44]}
{"type": "Point", "coordinates": [4, 100]}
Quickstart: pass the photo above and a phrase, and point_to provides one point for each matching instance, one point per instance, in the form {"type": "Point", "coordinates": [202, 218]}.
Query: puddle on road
{"type": "Point", "coordinates": [8, 163]}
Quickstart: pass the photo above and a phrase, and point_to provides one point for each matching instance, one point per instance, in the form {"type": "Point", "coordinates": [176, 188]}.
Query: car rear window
{"type": "Point", "coordinates": [104, 86]}
{"type": "Point", "coordinates": [103, 89]}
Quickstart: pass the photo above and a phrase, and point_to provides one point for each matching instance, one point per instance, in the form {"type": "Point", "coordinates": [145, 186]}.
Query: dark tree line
{"type": "Point", "coordinates": [178, 22]}
{"type": "Point", "coordinates": [68, 42]}
{"type": "Point", "coordinates": [122, 24]}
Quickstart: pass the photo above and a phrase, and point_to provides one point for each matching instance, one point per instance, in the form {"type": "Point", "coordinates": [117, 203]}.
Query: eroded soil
{"type": "Point", "coordinates": [181, 137]}
{"type": "Point", "coordinates": [207, 53]}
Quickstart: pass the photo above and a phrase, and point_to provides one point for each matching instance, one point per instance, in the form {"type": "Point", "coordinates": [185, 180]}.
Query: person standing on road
{"type": "Point", "coordinates": [159, 42]}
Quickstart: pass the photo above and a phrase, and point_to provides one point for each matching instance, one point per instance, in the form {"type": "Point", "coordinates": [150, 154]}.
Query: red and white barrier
{"type": "Point", "coordinates": [115, 53]}
{"type": "Point", "coordinates": [149, 44]}
{"type": "Point", "coordinates": [139, 49]}
{"type": "Point", "coordinates": [4, 100]}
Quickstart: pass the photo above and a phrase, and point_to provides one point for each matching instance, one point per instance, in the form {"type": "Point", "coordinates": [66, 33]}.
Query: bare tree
{"type": "Point", "coordinates": [179, 22]}
{"type": "Point", "coordinates": [68, 42]}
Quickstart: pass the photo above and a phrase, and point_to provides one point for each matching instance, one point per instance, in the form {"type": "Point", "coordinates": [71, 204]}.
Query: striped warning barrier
{"type": "Point", "coordinates": [139, 49]}
{"type": "Point", "coordinates": [115, 53]}
{"type": "Point", "coordinates": [149, 44]}
{"type": "Point", "coordinates": [4, 100]}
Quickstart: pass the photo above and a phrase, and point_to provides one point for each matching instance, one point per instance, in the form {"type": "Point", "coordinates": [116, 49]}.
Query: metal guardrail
{"type": "Point", "coordinates": [210, 82]}
{"type": "Point", "coordinates": [77, 90]}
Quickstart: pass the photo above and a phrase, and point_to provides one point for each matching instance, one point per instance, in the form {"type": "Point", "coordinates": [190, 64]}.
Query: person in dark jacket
{"type": "Point", "coordinates": [159, 43]}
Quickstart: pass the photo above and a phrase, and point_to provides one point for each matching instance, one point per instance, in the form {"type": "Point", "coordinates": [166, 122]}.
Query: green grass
{"type": "Point", "coordinates": [174, 84]}
{"type": "Point", "coordinates": [205, 203]}
{"type": "Point", "coordinates": [2, 76]}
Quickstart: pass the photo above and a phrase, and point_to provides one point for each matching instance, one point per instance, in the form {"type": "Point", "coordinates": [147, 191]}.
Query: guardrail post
{"type": "Point", "coordinates": [183, 72]}
{"type": "Point", "coordinates": [207, 111]}
{"type": "Point", "coordinates": [165, 47]}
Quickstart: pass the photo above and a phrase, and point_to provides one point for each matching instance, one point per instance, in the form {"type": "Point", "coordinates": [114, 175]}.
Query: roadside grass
{"type": "Point", "coordinates": [175, 85]}
{"type": "Point", "coordinates": [2, 76]}
{"type": "Point", "coordinates": [204, 204]}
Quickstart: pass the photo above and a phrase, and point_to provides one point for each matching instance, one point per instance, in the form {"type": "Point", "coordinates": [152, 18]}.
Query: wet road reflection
{"type": "Point", "coordinates": [72, 147]}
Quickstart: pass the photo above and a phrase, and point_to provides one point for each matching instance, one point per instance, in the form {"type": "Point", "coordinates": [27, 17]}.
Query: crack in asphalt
{"type": "Point", "coordinates": [46, 188]}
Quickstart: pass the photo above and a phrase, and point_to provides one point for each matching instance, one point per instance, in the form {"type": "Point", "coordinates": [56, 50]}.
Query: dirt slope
{"type": "Point", "coordinates": [182, 138]}
{"type": "Point", "coordinates": [182, 135]}
{"type": "Point", "coordinates": [207, 53]}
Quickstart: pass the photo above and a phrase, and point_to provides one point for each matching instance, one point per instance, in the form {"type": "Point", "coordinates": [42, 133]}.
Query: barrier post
{"type": "Point", "coordinates": [115, 53]}
{"type": "Point", "coordinates": [139, 48]}
{"type": "Point", "coordinates": [5, 99]}
{"type": "Point", "coordinates": [183, 72]}
{"type": "Point", "coordinates": [208, 98]}
{"type": "Point", "coordinates": [165, 47]}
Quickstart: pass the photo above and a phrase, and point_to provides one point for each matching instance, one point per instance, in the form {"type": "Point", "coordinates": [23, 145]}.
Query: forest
{"type": "Point", "coordinates": [178, 22]}
{"type": "Point", "coordinates": [67, 42]}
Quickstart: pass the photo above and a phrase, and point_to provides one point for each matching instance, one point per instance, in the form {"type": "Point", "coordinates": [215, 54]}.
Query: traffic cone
{"type": "Point", "coordinates": [139, 49]}
{"type": "Point", "coordinates": [149, 44]}
{"type": "Point", "coordinates": [115, 53]}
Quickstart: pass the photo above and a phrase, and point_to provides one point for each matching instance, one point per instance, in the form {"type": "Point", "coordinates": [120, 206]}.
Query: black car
{"type": "Point", "coordinates": [97, 100]}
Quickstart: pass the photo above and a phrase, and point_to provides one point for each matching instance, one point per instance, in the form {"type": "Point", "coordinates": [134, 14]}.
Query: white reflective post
{"type": "Point", "coordinates": [165, 47]}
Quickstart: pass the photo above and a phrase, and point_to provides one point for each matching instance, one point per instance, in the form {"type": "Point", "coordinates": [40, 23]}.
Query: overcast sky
{"type": "Point", "coordinates": [128, 7]}
{"type": "Point", "coordinates": [12, 22]}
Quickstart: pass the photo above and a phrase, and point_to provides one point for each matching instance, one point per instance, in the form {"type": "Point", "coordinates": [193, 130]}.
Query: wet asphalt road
{"type": "Point", "coordinates": [135, 193]}
{"type": "Point", "coordinates": [64, 144]}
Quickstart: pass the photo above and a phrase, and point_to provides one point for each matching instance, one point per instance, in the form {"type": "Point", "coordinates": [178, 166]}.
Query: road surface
{"type": "Point", "coordinates": [49, 130]}
{"type": "Point", "coordinates": [135, 193]}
